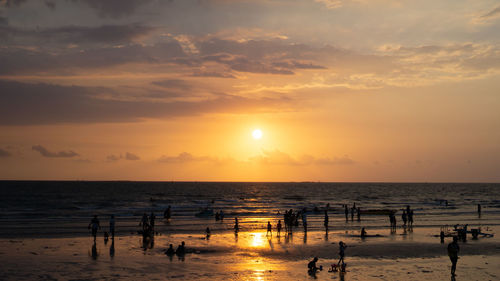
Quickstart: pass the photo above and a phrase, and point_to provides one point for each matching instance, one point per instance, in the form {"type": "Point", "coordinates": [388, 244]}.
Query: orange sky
{"type": "Point", "coordinates": [381, 90]}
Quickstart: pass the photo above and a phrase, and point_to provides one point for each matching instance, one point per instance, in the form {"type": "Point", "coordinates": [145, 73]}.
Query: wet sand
{"type": "Point", "coordinates": [250, 255]}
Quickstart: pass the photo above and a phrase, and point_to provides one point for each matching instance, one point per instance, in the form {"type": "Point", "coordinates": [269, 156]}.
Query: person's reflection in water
{"type": "Point", "coordinates": [342, 276]}
{"type": "Point", "coordinates": [236, 237]}
{"type": "Point", "coordinates": [112, 248]}
{"type": "Point", "coordinates": [326, 234]}
{"type": "Point", "coordinates": [94, 251]}
{"type": "Point", "coordinates": [305, 237]}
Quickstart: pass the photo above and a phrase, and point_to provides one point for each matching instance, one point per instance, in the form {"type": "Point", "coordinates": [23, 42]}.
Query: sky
{"type": "Point", "coordinates": [342, 90]}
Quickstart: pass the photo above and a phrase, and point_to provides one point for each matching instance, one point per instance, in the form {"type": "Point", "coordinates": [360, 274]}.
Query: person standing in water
{"type": "Point", "coordinates": [346, 212]}
{"type": "Point", "coordinates": [167, 214]}
{"type": "Point", "coordinates": [144, 223]}
{"type": "Point", "coordinates": [236, 225]}
{"type": "Point", "coordinates": [304, 220]}
{"type": "Point", "coordinates": [112, 226]}
{"type": "Point", "coordinates": [453, 250]}
{"type": "Point", "coordinates": [94, 225]}
{"type": "Point", "coordinates": [152, 221]}
{"type": "Point", "coordinates": [359, 214]}
{"type": "Point", "coordinates": [325, 222]}
{"type": "Point", "coordinates": [269, 229]}
{"type": "Point", "coordinates": [278, 228]}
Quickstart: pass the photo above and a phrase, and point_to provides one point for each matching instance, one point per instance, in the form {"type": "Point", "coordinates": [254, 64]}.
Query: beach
{"type": "Point", "coordinates": [57, 245]}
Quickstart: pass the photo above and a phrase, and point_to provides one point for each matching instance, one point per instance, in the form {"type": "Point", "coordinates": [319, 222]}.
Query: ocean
{"type": "Point", "coordinates": [64, 208]}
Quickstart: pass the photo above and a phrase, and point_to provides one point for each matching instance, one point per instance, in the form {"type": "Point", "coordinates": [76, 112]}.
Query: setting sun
{"type": "Point", "coordinates": [257, 134]}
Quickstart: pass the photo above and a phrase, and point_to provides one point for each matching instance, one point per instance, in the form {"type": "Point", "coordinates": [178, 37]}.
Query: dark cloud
{"type": "Point", "coordinates": [113, 158]}
{"type": "Point", "coordinates": [115, 8]}
{"type": "Point", "coordinates": [3, 22]}
{"type": "Point", "coordinates": [173, 84]}
{"type": "Point", "coordinates": [212, 74]}
{"type": "Point", "coordinates": [61, 154]}
{"type": "Point", "coordinates": [24, 104]}
{"type": "Point", "coordinates": [11, 3]}
{"type": "Point", "coordinates": [492, 14]}
{"type": "Point", "coordinates": [76, 34]}
{"type": "Point", "coordinates": [4, 153]}
{"type": "Point", "coordinates": [24, 61]}
{"type": "Point", "coordinates": [50, 4]}
{"type": "Point", "coordinates": [131, 156]}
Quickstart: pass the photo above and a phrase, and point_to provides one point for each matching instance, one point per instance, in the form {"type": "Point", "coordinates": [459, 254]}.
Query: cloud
{"type": "Point", "coordinates": [113, 158]}
{"type": "Point", "coordinates": [212, 74]}
{"type": "Point", "coordinates": [174, 83]}
{"type": "Point", "coordinates": [114, 8]}
{"type": "Point", "coordinates": [276, 157]}
{"type": "Point", "coordinates": [61, 154]}
{"type": "Point", "coordinates": [131, 156]}
{"type": "Point", "coordinates": [25, 104]}
{"type": "Point", "coordinates": [330, 4]}
{"type": "Point", "coordinates": [186, 157]}
{"type": "Point", "coordinates": [4, 153]}
{"type": "Point", "coordinates": [492, 14]}
{"type": "Point", "coordinates": [12, 3]}
{"type": "Point", "coordinates": [75, 34]}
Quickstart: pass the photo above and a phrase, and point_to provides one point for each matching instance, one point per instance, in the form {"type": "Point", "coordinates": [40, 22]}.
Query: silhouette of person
{"type": "Point", "coordinates": [278, 228]}
{"type": "Point", "coordinates": [269, 228]}
{"type": "Point", "coordinates": [342, 247]}
{"type": "Point", "coordinates": [207, 231]}
{"type": "Point", "coordinates": [363, 232]}
{"type": "Point", "coordinates": [170, 251]}
{"type": "Point", "coordinates": [325, 222]}
{"type": "Point", "coordinates": [236, 225]}
{"type": "Point", "coordinates": [152, 218]}
{"type": "Point", "coordinates": [181, 249]}
{"type": "Point", "coordinates": [145, 223]}
{"type": "Point", "coordinates": [346, 212]}
{"type": "Point", "coordinates": [112, 226]}
{"type": "Point", "coordinates": [167, 214]}
{"type": "Point", "coordinates": [453, 250]}
{"type": "Point", "coordinates": [94, 225]}
{"type": "Point", "coordinates": [312, 268]}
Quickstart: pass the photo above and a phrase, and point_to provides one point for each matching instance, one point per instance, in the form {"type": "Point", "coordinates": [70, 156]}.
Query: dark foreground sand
{"type": "Point", "coordinates": [248, 256]}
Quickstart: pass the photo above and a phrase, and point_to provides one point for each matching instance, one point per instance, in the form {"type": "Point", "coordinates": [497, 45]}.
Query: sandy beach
{"type": "Point", "coordinates": [416, 255]}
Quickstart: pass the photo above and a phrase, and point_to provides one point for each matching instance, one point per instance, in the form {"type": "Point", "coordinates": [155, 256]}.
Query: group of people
{"type": "Point", "coordinates": [219, 216]}
{"type": "Point", "coordinates": [148, 224]}
{"type": "Point", "coordinates": [95, 225]}
{"type": "Point", "coordinates": [312, 268]}
{"type": "Point", "coordinates": [180, 251]}
{"type": "Point", "coordinates": [354, 210]}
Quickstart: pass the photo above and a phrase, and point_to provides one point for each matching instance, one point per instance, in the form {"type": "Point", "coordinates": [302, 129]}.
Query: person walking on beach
{"type": "Point", "coordinates": [112, 226]}
{"type": "Point", "coordinates": [359, 214]}
{"type": "Point", "coordinates": [94, 225]}
{"type": "Point", "coordinates": [353, 209]}
{"type": "Point", "coordinates": [403, 216]}
{"type": "Point", "coordinates": [410, 218]}
{"type": "Point", "coordinates": [342, 247]}
{"type": "Point", "coordinates": [269, 229]}
{"type": "Point", "coordinates": [278, 227]}
{"type": "Point", "coordinates": [453, 250]}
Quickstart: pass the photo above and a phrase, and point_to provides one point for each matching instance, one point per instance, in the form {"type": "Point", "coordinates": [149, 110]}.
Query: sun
{"type": "Point", "coordinates": [257, 134]}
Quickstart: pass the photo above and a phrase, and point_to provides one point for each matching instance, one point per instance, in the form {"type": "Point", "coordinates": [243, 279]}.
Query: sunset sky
{"type": "Point", "coordinates": [342, 90]}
